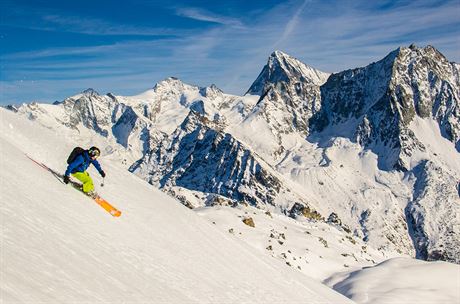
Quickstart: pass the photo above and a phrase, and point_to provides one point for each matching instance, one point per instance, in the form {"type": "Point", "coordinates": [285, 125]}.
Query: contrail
{"type": "Point", "coordinates": [290, 26]}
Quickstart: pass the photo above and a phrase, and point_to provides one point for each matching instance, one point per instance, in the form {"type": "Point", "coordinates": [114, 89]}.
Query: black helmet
{"type": "Point", "coordinates": [94, 152]}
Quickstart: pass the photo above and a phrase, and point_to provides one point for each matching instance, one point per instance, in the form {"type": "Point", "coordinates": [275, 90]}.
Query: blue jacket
{"type": "Point", "coordinates": [81, 163]}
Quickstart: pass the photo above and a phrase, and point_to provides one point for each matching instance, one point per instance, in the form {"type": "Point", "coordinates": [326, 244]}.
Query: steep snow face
{"type": "Point", "coordinates": [344, 179]}
{"type": "Point", "coordinates": [59, 246]}
{"type": "Point", "coordinates": [434, 213]}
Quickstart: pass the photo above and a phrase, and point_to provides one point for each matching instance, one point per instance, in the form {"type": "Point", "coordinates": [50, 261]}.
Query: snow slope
{"type": "Point", "coordinates": [342, 262]}
{"type": "Point", "coordinates": [317, 249]}
{"type": "Point", "coordinates": [401, 280]}
{"type": "Point", "coordinates": [58, 246]}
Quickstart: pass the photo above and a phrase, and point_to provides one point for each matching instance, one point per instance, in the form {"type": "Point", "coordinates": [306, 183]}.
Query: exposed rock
{"type": "Point", "coordinates": [298, 209]}
{"type": "Point", "coordinates": [12, 108]}
{"type": "Point", "coordinates": [249, 221]}
{"type": "Point", "coordinates": [383, 99]}
{"type": "Point", "coordinates": [334, 219]}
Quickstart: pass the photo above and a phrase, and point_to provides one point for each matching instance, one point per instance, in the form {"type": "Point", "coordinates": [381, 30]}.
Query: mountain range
{"type": "Point", "coordinates": [373, 151]}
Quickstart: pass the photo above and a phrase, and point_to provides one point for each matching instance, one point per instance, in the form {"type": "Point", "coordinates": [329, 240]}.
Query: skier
{"type": "Point", "coordinates": [77, 167]}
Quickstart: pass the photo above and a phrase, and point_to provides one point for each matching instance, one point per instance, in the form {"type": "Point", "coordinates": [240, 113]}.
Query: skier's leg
{"type": "Point", "coordinates": [84, 177]}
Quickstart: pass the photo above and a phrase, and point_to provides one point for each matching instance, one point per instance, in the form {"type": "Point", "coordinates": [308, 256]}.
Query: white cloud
{"type": "Point", "coordinates": [58, 21]}
{"type": "Point", "coordinates": [92, 26]}
{"type": "Point", "coordinates": [207, 16]}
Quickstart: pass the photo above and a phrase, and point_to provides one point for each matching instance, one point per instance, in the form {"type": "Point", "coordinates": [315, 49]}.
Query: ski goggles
{"type": "Point", "coordinates": [94, 153]}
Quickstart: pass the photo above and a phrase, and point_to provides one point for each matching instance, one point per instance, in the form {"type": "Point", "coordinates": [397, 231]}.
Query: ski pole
{"type": "Point", "coordinates": [102, 184]}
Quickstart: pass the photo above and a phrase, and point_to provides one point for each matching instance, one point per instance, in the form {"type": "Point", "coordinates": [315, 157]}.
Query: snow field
{"type": "Point", "coordinates": [401, 280]}
{"type": "Point", "coordinates": [58, 246]}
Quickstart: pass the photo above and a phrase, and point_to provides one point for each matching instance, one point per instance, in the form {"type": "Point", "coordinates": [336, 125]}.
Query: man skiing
{"type": "Point", "coordinates": [77, 167]}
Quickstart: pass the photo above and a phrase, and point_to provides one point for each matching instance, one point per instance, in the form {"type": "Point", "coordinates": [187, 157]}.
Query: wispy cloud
{"type": "Point", "coordinates": [52, 20]}
{"type": "Point", "coordinates": [93, 26]}
{"type": "Point", "coordinates": [207, 16]}
{"type": "Point", "coordinates": [292, 23]}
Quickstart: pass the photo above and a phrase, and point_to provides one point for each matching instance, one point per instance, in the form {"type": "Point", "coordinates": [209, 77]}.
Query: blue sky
{"type": "Point", "coordinates": [50, 50]}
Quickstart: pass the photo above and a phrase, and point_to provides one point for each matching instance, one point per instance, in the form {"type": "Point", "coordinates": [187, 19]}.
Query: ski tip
{"type": "Point", "coordinates": [115, 213]}
{"type": "Point", "coordinates": [109, 208]}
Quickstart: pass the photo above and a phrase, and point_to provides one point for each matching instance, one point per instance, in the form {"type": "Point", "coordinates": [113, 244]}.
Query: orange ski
{"type": "Point", "coordinates": [109, 208]}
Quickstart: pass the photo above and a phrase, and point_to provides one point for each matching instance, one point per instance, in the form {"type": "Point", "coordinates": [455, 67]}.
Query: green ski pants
{"type": "Point", "coordinates": [84, 177]}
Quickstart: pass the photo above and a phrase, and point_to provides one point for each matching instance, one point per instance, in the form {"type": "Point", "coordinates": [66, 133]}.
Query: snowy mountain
{"type": "Point", "coordinates": [289, 93]}
{"type": "Point", "coordinates": [377, 104]}
{"type": "Point", "coordinates": [382, 107]}
{"type": "Point", "coordinates": [373, 150]}
{"type": "Point", "coordinates": [282, 68]}
{"type": "Point", "coordinates": [200, 157]}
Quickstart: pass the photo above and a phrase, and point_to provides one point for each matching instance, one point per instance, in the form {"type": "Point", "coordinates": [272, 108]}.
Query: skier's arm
{"type": "Point", "coordinates": [77, 162]}
{"type": "Point", "coordinates": [98, 167]}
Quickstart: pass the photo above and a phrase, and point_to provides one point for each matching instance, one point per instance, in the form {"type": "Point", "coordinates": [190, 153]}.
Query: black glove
{"type": "Point", "coordinates": [102, 173]}
{"type": "Point", "coordinates": [66, 179]}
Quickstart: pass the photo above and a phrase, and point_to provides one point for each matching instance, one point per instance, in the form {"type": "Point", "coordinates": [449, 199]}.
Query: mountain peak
{"type": "Point", "coordinates": [278, 54]}
{"type": "Point", "coordinates": [171, 80]}
{"type": "Point", "coordinates": [414, 51]}
{"type": "Point", "coordinates": [90, 92]}
{"type": "Point", "coordinates": [211, 91]}
{"type": "Point", "coordinates": [282, 67]}
{"type": "Point", "coordinates": [414, 47]}
{"type": "Point", "coordinates": [169, 83]}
